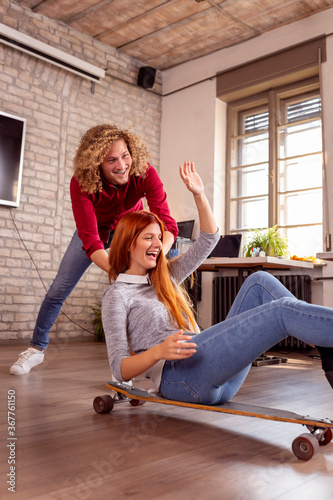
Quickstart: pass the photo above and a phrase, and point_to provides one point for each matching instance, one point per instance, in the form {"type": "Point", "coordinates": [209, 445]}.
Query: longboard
{"type": "Point", "coordinates": [304, 446]}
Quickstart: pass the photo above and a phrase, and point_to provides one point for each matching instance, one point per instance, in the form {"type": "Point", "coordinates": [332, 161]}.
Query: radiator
{"type": "Point", "coordinates": [225, 289]}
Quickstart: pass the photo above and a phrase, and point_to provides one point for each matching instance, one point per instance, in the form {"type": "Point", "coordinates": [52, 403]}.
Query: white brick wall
{"type": "Point", "coordinates": [59, 107]}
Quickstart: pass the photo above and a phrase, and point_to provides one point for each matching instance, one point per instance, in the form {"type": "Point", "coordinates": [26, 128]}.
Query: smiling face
{"type": "Point", "coordinates": [117, 163]}
{"type": "Point", "coordinates": [145, 250]}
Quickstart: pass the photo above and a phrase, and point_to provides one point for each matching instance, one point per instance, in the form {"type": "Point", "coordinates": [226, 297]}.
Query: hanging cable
{"type": "Point", "coordinates": [39, 275]}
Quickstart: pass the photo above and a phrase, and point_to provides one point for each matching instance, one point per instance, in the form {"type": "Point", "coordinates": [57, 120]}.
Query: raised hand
{"type": "Point", "coordinates": [191, 178]}
{"type": "Point", "coordinates": [194, 184]}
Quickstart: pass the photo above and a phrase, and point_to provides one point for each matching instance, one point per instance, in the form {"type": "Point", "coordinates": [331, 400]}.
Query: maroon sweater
{"type": "Point", "coordinates": [97, 214]}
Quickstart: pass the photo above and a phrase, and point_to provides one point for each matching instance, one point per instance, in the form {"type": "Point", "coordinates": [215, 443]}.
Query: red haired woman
{"type": "Point", "coordinates": [145, 312]}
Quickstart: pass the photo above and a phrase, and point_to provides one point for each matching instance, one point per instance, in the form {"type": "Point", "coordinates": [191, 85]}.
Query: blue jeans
{"type": "Point", "coordinates": [73, 265]}
{"type": "Point", "coordinates": [263, 313]}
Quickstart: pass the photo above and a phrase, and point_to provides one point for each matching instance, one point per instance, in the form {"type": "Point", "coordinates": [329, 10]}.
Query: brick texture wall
{"type": "Point", "coordinates": [59, 107]}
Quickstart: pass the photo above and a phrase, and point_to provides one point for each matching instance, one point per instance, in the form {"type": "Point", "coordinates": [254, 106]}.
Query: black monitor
{"type": "Point", "coordinates": [12, 137]}
{"type": "Point", "coordinates": [185, 229]}
{"type": "Point", "coordinates": [227, 246]}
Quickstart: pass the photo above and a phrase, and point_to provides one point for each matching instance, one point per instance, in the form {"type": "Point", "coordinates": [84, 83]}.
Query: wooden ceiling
{"type": "Point", "coordinates": [165, 33]}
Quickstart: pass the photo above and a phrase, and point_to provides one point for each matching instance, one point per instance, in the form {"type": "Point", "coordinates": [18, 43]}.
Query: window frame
{"type": "Point", "coordinates": [272, 101]}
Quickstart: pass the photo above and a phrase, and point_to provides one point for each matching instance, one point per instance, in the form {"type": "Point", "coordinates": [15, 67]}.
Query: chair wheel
{"type": "Point", "coordinates": [103, 404]}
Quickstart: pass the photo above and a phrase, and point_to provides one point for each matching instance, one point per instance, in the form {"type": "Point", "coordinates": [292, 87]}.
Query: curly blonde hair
{"type": "Point", "coordinates": [93, 148]}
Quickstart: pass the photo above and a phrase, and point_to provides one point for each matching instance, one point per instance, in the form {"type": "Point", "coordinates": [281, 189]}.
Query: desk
{"type": "Point", "coordinates": [249, 265]}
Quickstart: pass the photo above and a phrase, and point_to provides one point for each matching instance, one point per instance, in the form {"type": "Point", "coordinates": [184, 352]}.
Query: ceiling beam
{"type": "Point", "coordinates": [166, 29]}
{"type": "Point", "coordinates": [133, 19]}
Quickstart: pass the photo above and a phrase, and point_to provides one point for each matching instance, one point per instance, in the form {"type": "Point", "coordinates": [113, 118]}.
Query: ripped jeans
{"type": "Point", "coordinates": [263, 313]}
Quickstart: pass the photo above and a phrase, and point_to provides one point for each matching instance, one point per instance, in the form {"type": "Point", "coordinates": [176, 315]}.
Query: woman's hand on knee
{"type": "Point", "coordinates": [177, 346]}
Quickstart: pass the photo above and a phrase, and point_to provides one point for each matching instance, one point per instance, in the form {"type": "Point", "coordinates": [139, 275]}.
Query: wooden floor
{"type": "Point", "coordinates": [65, 451]}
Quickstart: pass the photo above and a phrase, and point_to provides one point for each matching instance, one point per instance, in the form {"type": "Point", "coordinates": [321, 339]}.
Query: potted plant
{"type": "Point", "coordinates": [266, 240]}
{"type": "Point", "coordinates": [97, 323]}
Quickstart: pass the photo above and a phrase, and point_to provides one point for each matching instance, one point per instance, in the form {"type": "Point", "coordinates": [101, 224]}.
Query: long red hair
{"type": "Point", "coordinates": [168, 292]}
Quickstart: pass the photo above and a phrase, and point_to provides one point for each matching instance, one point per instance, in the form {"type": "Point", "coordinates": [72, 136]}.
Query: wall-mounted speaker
{"type": "Point", "coordinates": [146, 77]}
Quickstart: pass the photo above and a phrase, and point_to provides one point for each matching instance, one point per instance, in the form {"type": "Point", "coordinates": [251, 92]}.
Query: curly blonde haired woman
{"type": "Point", "coordinates": [111, 177]}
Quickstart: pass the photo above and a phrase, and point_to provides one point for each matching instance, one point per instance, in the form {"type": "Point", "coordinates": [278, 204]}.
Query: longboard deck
{"type": "Point", "coordinates": [230, 407]}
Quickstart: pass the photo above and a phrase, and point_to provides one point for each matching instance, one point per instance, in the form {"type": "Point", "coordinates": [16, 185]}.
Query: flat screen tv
{"type": "Point", "coordinates": [12, 138]}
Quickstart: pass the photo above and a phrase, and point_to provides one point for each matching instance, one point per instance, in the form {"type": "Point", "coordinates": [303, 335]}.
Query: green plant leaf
{"type": "Point", "coordinates": [97, 323]}
{"type": "Point", "coordinates": [269, 240]}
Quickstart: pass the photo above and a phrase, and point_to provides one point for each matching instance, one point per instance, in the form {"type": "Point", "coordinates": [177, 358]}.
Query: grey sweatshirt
{"type": "Point", "coordinates": [133, 317]}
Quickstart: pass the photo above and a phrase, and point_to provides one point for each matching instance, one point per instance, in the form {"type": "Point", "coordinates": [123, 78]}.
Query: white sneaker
{"type": "Point", "coordinates": [27, 360]}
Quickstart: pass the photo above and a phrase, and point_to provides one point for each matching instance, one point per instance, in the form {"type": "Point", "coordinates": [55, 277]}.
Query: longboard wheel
{"type": "Point", "coordinates": [327, 437]}
{"type": "Point", "coordinates": [137, 402]}
{"type": "Point", "coordinates": [103, 404]}
{"type": "Point", "coordinates": [305, 446]}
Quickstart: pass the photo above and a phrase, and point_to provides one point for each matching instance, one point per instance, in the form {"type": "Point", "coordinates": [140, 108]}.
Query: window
{"type": "Point", "coordinates": [274, 166]}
